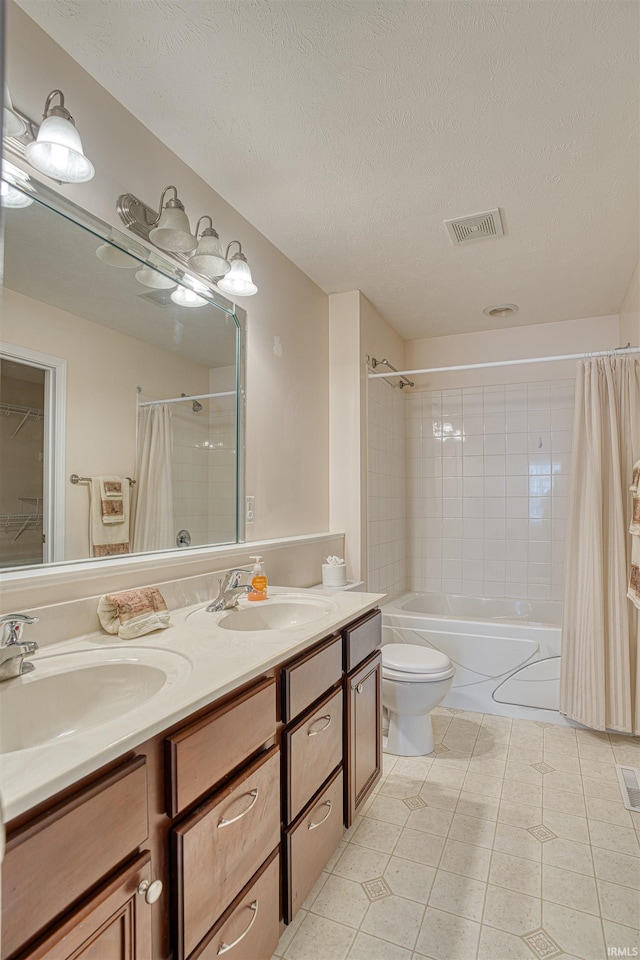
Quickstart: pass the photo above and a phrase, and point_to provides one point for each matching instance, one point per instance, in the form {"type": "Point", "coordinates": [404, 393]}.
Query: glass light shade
{"type": "Point", "coordinates": [209, 259]}
{"type": "Point", "coordinates": [12, 125]}
{"type": "Point", "coordinates": [238, 282]}
{"type": "Point", "coordinates": [186, 297]}
{"type": "Point", "coordinates": [10, 197]}
{"type": "Point", "coordinates": [151, 278]}
{"type": "Point", "coordinates": [115, 258]}
{"type": "Point", "coordinates": [58, 152]}
{"type": "Point", "coordinates": [173, 232]}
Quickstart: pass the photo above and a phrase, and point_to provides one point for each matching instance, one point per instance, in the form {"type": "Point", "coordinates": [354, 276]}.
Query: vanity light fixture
{"type": "Point", "coordinates": [12, 179]}
{"type": "Point", "coordinates": [208, 259]}
{"type": "Point", "coordinates": [149, 277]}
{"type": "Point", "coordinates": [57, 150]}
{"type": "Point", "coordinates": [114, 257]}
{"type": "Point", "coordinates": [187, 296]}
{"type": "Point", "coordinates": [238, 282]}
{"type": "Point", "coordinates": [12, 124]}
{"type": "Point", "coordinates": [171, 230]}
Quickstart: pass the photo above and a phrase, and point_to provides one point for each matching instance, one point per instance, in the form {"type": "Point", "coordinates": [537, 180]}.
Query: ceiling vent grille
{"type": "Point", "coordinates": [479, 226]}
{"type": "Point", "coordinates": [161, 298]}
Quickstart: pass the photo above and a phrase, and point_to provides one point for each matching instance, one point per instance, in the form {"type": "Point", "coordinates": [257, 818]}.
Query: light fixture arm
{"type": "Point", "coordinates": [239, 255]}
{"type": "Point", "coordinates": [174, 202]}
{"type": "Point", "coordinates": [209, 231]}
{"type": "Point", "coordinates": [56, 111]}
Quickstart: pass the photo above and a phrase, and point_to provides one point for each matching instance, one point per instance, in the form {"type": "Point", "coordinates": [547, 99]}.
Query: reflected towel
{"type": "Point", "coordinates": [633, 591]}
{"type": "Point", "coordinates": [108, 534]}
{"type": "Point", "coordinates": [133, 613]}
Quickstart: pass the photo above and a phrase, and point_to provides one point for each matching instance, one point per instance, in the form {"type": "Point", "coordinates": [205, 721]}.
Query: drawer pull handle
{"type": "Point", "coordinates": [359, 688]}
{"type": "Point", "coordinates": [225, 823]}
{"type": "Point", "coordinates": [150, 891]}
{"type": "Point", "coordinates": [312, 825]}
{"type": "Point", "coordinates": [229, 946]}
{"type": "Point", "coordinates": [314, 733]}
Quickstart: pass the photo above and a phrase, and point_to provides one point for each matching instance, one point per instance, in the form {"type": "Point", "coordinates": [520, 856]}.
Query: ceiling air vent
{"type": "Point", "coordinates": [479, 226]}
{"type": "Point", "coordinates": [161, 298]}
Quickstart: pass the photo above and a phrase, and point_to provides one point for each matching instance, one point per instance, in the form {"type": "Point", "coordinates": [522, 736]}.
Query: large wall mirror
{"type": "Point", "coordinates": [121, 393]}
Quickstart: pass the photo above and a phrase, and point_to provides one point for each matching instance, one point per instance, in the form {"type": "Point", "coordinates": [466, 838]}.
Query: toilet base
{"type": "Point", "coordinates": [409, 736]}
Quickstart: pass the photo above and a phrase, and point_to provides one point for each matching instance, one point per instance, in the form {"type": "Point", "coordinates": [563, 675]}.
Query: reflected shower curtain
{"type": "Point", "coordinates": [599, 667]}
{"type": "Point", "coordinates": [153, 526]}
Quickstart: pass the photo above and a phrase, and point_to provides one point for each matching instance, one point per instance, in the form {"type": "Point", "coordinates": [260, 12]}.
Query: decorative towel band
{"type": "Point", "coordinates": [133, 613]}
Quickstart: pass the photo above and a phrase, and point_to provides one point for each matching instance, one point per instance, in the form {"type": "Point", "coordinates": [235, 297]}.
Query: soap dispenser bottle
{"type": "Point", "coordinates": [258, 581]}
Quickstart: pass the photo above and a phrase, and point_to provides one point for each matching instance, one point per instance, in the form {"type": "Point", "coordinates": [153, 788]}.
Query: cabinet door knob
{"type": "Point", "coordinates": [314, 733]}
{"type": "Point", "coordinates": [150, 891]}
{"type": "Point", "coordinates": [229, 946]}
{"type": "Point", "coordinates": [359, 688]}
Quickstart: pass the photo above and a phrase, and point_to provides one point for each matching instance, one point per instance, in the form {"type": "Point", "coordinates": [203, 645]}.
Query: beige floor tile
{"type": "Point", "coordinates": [569, 855]}
{"type": "Point", "coordinates": [598, 770]}
{"type": "Point", "coordinates": [566, 826]}
{"type": "Point", "coordinates": [578, 934]}
{"type": "Point", "coordinates": [446, 776]}
{"type": "Point", "coordinates": [487, 767]}
{"type": "Point", "coordinates": [489, 749]}
{"type": "Point", "coordinates": [564, 802]}
{"type": "Point", "coordinates": [394, 919]}
{"type": "Point", "coordinates": [570, 782]}
{"type": "Point", "coordinates": [456, 894]}
{"type": "Point", "coordinates": [415, 768]}
{"type": "Point", "coordinates": [318, 938]}
{"type": "Point", "coordinates": [525, 751]}
{"type": "Point", "coordinates": [462, 746]}
{"type": "Point", "coordinates": [473, 805]}
{"type": "Point", "coordinates": [519, 814]}
{"type": "Point", "coordinates": [430, 820]}
{"type": "Point", "coordinates": [466, 859]}
{"type": "Point", "coordinates": [616, 867]}
{"type": "Point", "coordinates": [472, 830]}
{"type": "Point", "coordinates": [421, 847]}
{"type": "Point", "coordinates": [341, 900]}
{"type": "Point", "coordinates": [289, 932]}
{"type": "Point", "coordinates": [377, 835]}
{"type": "Point", "coordinates": [388, 809]}
{"type": "Point", "coordinates": [491, 721]}
{"type": "Point", "coordinates": [620, 904]}
{"type": "Point", "coordinates": [563, 765]}
{"type": "Point", "coordinates": [483, 785]}
{"type": "Point", "coordinates": [498, 945]}
{"type": "Point", "coordinates": [461, 727]}
{"type": "Point", "coordinates": [519, 792]}
{"type": "Point", "coordinates": [570, 889]}
{"type": "Point", "coordinates": [409, 879]}
{"type": "Point", "coordinates": [611, 836]}
{"type": "Point", "coordinates": [509, 838]}
{"type": "Point", "coordinates": [526, 730]}
{"type": "Point", "coordinates": [523, 772]}
{"type": "Point", "coordinates": [516, 873]}
{"type": "Point", "coordinates": [388, 763]}
{"type": "Point", "coordinates": [444, 936]}
{"type": "Point", "coordinates": [628, 754]}
{"type": "Point", "coordinates": [608, 810]}
{"type": "Point", "coordinates": [605, 789]}
{"type": "Point", "coordinates": [437, 795]}
{"type": "Point", "coordinates": [621, 937]}
{"type": "Point", "coordinates": [366, 947]}
{"type": "Point", "coordinates": [595, 751]}
{"type": "Point", "coordinates": [315, 890]}
{"type": "Point", "coordinates": [554, 747]}
{"type": "Point", "coordinates": [511, 911]}
{"type": "Point", "coordinates": [348, 834]}
{"type": "Point", "coordinates": [360, 863]}
{"type": "Point", "coordinates": [400, 787]}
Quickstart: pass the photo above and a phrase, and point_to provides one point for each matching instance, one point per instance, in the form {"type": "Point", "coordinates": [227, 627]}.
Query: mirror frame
{"type": "Point", "coordinates": [162, 262]}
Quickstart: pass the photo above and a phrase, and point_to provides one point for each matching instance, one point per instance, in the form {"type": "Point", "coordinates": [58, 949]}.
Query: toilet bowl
{"type": "Point", "coordinates": [415, 679]}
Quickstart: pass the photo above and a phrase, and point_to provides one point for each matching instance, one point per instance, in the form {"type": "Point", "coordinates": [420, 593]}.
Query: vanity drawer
{"type": "Point", "coordinates": [250, 928]}
{"type": "Point", "coordinates": [75, 844]}
{"type": "Point", "coordinates": [204, 752]}
{"type": "Point", "coordinates": [217, 849]}
{"type": "Point", "coordinates": [306, 678]}
{"type": "Point", "coordinates": [310, 843]}
{"type": "Point", "coordinates": [361, 639]}
{"type": "Point", "coordinates": [312, 749]}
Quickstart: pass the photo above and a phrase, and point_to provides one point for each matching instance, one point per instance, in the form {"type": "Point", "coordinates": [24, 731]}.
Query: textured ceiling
{"type": "Point", "coordinates": [347, 131]}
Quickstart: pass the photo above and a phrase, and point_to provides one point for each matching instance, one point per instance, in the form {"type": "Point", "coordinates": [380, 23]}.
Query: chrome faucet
{"type": "Point", "coordinates": [229, 591]}
{"type": "Point", "coordinates": [12, 650]}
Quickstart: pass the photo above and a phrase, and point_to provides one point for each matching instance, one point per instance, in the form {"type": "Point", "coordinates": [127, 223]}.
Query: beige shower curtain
{"type": "Point", "coordinates": [153, 526]}
{"type": "Point", "coordinates": [599, 667]}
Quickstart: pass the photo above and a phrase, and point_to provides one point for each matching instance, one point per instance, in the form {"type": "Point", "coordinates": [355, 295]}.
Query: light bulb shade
{"type": "Point", "coordinates": [11, 197]}
{"type": "Point", "coordinates": [114, 257]}
{"type": "Point", "coordinates": [151, 278]}
{"type": "Point", "coordinates": [58, 153]}
{"type": "Point", "coordinates": [12, 125]}
{"type": "Point", "coordinates": [238, 282]}
{"type": "Point", "coordinates": [173, 231]}
{"type": "Point", "coordinates": [209, 259]}
{"type": "Point", "coordinates": [185, 297]}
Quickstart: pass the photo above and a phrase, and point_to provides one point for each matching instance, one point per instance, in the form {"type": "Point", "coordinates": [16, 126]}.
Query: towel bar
{"type": "Point", "coordinates": [74, 478]}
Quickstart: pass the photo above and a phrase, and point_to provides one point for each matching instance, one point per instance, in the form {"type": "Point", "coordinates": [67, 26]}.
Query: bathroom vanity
{"type": "Point", "coordinates": [205, 837]}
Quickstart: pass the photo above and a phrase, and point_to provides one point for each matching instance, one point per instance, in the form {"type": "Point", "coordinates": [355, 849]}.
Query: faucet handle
{"type": "Point", "coordinates": [234, 576]}
{"type": "Point", "coordinates": [12, 626]}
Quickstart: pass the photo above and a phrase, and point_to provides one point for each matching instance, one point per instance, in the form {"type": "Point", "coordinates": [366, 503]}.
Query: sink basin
{"type": "Point", "coordinates": [277, 613]}
{"type": "Point", "coordinates": [69, 693]}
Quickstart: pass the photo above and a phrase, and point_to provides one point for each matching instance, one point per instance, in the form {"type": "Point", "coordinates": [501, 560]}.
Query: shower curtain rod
{"type": "Point", "coordinates": [198, 396]}
{"type": "Point", "coordinates": [620, 352]}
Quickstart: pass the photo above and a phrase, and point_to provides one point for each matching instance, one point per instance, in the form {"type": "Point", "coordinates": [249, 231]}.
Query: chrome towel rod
{"type": "Point", "coordinates": [404, 381]}
{"type": "Point", "coordinates": [74, 478]}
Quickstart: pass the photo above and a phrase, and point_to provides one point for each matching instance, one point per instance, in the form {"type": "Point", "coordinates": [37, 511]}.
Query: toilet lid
{"type": "Point", "coordinates": [412, 658]}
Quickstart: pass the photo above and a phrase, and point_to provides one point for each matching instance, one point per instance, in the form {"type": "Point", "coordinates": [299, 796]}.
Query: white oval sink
{"type": "Point", "coordinates": [277, 613]}
{"type": "Point", "coordinates": [69, 693]}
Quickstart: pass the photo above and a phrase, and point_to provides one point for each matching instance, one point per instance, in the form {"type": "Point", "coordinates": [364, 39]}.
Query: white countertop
{"type": "Point", "coordinates": [210, 663]}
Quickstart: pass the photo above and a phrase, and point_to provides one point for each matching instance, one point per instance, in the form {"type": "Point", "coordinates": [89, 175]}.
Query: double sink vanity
{"type": "Point", "coordinates": [178, 795]}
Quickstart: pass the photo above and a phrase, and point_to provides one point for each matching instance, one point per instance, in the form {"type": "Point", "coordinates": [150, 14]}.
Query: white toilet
{"type": "Point", "coordinates": [415, 679]}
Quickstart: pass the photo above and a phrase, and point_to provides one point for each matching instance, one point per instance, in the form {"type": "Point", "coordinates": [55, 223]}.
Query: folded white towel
{"type": "Point", "coordinates": [132, 613]}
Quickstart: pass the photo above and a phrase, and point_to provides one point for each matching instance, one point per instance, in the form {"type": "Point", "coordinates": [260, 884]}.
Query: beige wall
{"type": "Point", "coordinates": [630, 312]}
{"type": "Point", "coordinates": [539, 340]}
{"type": "Point", "coordinates": [287, 385]}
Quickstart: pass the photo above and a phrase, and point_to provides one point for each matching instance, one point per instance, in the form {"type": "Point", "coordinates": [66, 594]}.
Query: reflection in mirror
{"type": "Point", "coordinates": [121, 370]}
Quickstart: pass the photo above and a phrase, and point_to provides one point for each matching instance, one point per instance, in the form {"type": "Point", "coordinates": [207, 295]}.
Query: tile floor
{"type": "Point", "coordinates": [509, 842]}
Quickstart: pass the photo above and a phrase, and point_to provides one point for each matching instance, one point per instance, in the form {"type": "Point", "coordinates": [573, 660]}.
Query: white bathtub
{"type": "Point", "coordinates": [506, 652]}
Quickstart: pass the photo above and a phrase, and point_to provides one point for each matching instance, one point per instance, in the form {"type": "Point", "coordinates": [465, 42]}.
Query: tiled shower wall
{"type": "Point", "coordinates": [487, 487]}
